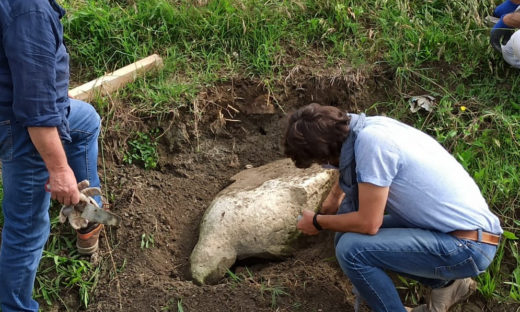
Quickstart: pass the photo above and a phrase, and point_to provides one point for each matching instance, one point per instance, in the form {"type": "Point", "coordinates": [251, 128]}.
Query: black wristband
{"type": "Point", "coordinates": [315, 222]}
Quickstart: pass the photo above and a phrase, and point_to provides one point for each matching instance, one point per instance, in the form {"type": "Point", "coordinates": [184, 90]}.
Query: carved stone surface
{"type": "Point", "coordinates": [256, 216]}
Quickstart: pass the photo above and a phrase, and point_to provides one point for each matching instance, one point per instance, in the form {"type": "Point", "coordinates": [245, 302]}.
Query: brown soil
{"type": "Point", "coordinates": [236, 124]}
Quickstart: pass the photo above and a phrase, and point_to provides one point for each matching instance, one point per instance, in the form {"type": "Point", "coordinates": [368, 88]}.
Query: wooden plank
{"type": "Point", "coordinates": [111, 82]}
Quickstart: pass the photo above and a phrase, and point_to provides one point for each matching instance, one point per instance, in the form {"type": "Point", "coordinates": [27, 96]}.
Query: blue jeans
{"type": "Point", "coordinates": [26, 204]}
{"type": "Point", "coordinates": [430, 257]}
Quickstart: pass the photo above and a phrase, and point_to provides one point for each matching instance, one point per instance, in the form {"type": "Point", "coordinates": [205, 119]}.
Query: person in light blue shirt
{"type": "Point", "coordinates": [402, 203]}
{"type": "Point", "coordinates": [44, 137]}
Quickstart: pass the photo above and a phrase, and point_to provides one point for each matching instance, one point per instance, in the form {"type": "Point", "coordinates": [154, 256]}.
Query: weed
{"type": "Point", "coordinates": [142, 150]}
{"type": "Point", "coordinates": [235, 278]}
{"type": "Point", "coordinates": [147, 241]}
{"type": "Point", "coordinates": [489, 280]}
{"type": "Point", "coordinates": [179, 306]}
{"type": "Point", "coordinates": [514, 291]}
{"type": "Point", "coordinates": [412, 288]}
{"type": "Point", "coordinates": [58, 272]}
{"type": "Point", "coordinates": [172, 304]}
{"type": "Point", "coordinates": [274, 291]}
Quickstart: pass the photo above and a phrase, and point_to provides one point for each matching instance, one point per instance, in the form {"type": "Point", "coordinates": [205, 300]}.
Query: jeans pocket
{"type": "Point", "coordinates": [6, 141]}
{"type": "Point", "coordinates": [466, 268]}
{"type": "Point", "coordinates": [482, 253]}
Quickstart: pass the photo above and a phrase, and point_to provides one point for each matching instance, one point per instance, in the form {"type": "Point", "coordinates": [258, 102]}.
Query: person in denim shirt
{"type": "Point", "coordinates": [402, 203]}
{"type": "Point", "coordinates": [44, 136]}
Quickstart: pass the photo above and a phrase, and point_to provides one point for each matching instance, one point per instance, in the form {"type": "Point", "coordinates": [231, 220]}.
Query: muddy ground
{"type": "Point", "coordinates": [232, 125]}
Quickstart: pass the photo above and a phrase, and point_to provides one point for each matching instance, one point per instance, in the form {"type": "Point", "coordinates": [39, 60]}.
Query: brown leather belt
{"type": "Point", "coordinates": [487, 238]}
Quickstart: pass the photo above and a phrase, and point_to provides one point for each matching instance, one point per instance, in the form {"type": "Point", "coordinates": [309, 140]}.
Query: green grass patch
{"type": "Point", "coordinates": [62, 270]}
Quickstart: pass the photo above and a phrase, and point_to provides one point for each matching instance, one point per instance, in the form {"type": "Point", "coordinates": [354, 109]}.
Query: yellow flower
{"type": "Point", "coordinates": [463, 108]}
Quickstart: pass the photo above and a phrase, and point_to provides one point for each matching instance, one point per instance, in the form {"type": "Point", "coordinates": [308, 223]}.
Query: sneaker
{"type": "Point", "coordinates": [88, 239]}
{"type": "Point", "coordinates": [442, 299]}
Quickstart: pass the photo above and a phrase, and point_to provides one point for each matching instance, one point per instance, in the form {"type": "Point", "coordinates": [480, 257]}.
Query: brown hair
{"type": "Point", "coordinates": [315, 133]}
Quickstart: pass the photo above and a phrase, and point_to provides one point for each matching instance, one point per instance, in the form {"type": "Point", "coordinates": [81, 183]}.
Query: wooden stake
{"type": "Point", "coordinates": [111, 82]}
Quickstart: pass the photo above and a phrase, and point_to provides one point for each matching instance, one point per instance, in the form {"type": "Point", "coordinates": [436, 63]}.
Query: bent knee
{"type": "Point", "coordinates": [84, 116]}
{"type": "Point", "coordinates": [348, 246]}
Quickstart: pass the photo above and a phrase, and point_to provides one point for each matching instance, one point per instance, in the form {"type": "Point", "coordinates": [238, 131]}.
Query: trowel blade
{"type": "Point", "coordinates": [95, 214]}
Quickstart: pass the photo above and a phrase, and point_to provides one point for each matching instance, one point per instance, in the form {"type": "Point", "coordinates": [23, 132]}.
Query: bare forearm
{"type": "Point", "coordinates": [48, 143]}
{"type": "Point", "coordinates": [63, 183]}
{"type": "Point", "coordinates": [348, 222]}
{"type": "Point", "coordinates": [331, 203]}
{"type": "Point", "coordinates": [367, 219]}
{"type": "Point", "coordinates": [512, 19]}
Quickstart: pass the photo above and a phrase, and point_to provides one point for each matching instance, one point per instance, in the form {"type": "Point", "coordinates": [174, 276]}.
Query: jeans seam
{"type": "Point", "coordinates": [477, 248]}
{"type": "Point", "coordinates": [81, 131]}
{"type": "Point", "coordinates": [86, 157]}
{"type": "Point", "coordinates": [367, 283]}
{"type": "Point", "coordinates": [9, 141]}
{"type": "Point", "coordinates": [468, 261]}
{"type": "Point", "coordinates": [84, 143]}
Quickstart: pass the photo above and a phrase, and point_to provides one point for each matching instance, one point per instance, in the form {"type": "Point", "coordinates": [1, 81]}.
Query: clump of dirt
{"type": "Point", "coordinates": [230, 126]}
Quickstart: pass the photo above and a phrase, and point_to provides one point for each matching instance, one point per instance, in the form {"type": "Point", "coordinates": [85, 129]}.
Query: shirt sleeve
{"type": "Point", "coordinates": [377, 158]}
{"type": "Point", "coordinates": [30, 44]}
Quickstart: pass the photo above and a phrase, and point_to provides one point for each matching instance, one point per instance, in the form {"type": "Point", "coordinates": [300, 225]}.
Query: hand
{"type": "Point", "coordinates": [331, 204]}
{"type": "Point", "coordinates": [305, 224]}
{"type": "Point", "coordinates": [63, 186]}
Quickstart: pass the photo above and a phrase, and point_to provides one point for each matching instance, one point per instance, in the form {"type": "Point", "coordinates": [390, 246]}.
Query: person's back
{"type": "Point", "coordinates": [429, 188]}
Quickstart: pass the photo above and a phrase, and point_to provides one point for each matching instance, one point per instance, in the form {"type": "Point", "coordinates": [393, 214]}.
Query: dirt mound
{"type": "Point", "coordinates": [230, 126]}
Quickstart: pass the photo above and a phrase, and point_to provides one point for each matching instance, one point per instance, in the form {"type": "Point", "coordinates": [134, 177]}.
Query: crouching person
{"type": "Point", "coordinates": [402, 204]}
{"type": "Point", "coordinates": [505, 36]}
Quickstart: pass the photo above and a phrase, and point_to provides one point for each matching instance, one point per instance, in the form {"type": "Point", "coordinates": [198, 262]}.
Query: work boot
{"type": "Point", "coordinates": [442, 299]}
{"type": "Point", "coordinates": [88, 239]}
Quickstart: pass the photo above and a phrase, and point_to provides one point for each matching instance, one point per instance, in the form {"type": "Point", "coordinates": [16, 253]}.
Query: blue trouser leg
{"type": "Point", "coordinates": [82, 152]}
{"type": "Point", "coordinates": [430, 257]}
{"type": "Point", "coordinates": [25, 204]}
{"type": "Point", "coordinates": [505, 8]}
{"type": "Point", "coordinates": [26, 222]}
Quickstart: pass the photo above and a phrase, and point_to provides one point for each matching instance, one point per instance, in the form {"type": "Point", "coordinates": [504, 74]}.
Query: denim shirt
{"type": "Point", "coordinates": [34, 65]}
{"type": "Point", "coordinates": [347, 166]}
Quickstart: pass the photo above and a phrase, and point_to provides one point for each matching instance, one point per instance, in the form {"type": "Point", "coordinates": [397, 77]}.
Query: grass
{"type": "Point", "coordinates": [427, 47]}
{"type": "Point", "coordinates": [275, 292]}
{"type": "Point", "coordinates": [62, 271]}
{"type": "Point", "coordinates": [266, 287]}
